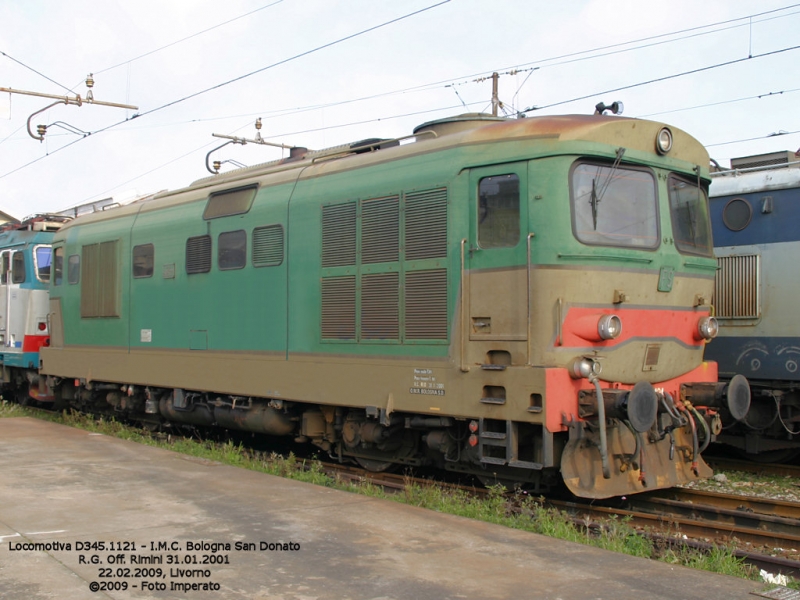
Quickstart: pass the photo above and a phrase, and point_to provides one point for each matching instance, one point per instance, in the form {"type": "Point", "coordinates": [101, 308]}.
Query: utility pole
{"type": "Point", "coordinates": [495, 99]}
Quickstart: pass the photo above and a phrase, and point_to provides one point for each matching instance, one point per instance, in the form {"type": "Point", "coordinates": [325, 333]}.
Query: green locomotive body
{"type": "Point", "coordinates": [510, 298]}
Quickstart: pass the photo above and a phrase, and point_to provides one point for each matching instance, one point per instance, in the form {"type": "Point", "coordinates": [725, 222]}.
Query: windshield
{"type": "Point", "coordinates": [688, 207]}
{"type": "Point", "coordinates": [614, 206]}
{"type": "Point", "coordinates": [42, 255]}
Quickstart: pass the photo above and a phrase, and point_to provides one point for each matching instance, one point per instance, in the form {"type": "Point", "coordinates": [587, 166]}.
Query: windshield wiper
{"type": "Point", "coordinates": [597, 196]}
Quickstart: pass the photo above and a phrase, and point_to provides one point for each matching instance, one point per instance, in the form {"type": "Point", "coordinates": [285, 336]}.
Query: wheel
{"type": "Point", "coordinates": [375, 466]}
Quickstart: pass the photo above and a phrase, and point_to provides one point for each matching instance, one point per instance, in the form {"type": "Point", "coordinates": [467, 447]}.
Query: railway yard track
{"type": "Point", "coordinates": [762, 532]}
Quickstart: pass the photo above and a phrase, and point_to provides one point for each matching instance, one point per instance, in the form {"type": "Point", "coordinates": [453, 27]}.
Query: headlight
{"type": "Point", "coordinates": [664, 140]}
{"type": "Point", "coordinates": [707, 328]}
{"type": "Point", "coordinates": [582, 367]}
{"type": "Point", "coordinates": [609, 327]}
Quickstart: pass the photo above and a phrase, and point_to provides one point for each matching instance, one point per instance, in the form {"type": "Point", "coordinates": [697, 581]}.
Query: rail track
{"type": "Point", "coordinates": [763, 532]}
{"type": "Point", "coordinates": [746, 466]}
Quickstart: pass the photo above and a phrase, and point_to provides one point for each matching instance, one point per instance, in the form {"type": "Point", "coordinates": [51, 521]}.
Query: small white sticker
{"type": "Point", "coordinates": [147, 335]}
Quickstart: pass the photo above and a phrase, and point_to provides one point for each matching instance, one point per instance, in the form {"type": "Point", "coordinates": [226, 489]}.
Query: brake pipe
{"type": "Point", "coordinates": [695, 444]}
{"type": "Point", "coordinates": [706, 430]}
{"type": "Point", "coordinates": [601, 417]}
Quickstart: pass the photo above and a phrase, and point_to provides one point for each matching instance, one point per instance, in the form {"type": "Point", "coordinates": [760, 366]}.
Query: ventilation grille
{"type": "Point", "coordinates": [764, 160]}
{"type": "Point", "coordinates": [198, 254]}
{"type": "Point", "coordinates": [99, 284]}
{"type": "Point", "coordinates": [426, 305]}
{"type": "Point", "coordinates": [380, 230]}
{"type": "Point", "coordinates": [736, 287]}
{"type": "Point", "coordinates": [339, 308]}
{"type": "Point", "coordinates": [382, 284]}
{"type": "Point", "coordinates": [380, 307]}
{"type": "Point", "coordinates": [268, 246]}
{"type": "Point", "coordinates": [426, 224]}
{"type": "Point", "coordinates": [339, 235]}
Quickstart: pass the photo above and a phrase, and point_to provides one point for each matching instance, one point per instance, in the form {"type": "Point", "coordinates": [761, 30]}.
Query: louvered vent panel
{"type": "Point", "coordinates": [339, 235]}
{"type": "Point", "coordinates": [339, 308]}
{"type": "Point", "coordinates": [198, 254]}
{"type": "Point", "coordinates": [268, 246]}
{"type": "Point", "coordinates": [426, 224]}
{"type": "Point", "coordinates": [380, 230]}
{"type": "Point", "coordinates": [100, 280]}
{"type": "Point", "coordinates": [90, 261]}
{"type": "Point", "coordinates": [380, 306]}
{"type": "Point", "coordinates": [107, 288]}
{"type": "Point", "coordinates": [736, 287]}
{"type": "Point", "coordinates": [426, 305]}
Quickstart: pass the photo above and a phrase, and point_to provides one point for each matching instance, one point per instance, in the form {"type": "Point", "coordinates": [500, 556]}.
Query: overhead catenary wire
{"type": "Point", "coordinates": [752, 139]}
{"type": "Point", "coordinates": [427, 86]}
{"type": "Point", "coordinates": [511, 69]}
{"type": "Point", "coordinates": [466, 79]}
{"type": "Point", "coordinates": [664, 78]}
{"type": "Point", "coordinates": [235, 79]}
{"type": "Point", "coordinates": [291, 58]}
{"type": "Point", "coordinates": [718, 65]}
{"type": "Point", "coordinates": [188, 37]}
{"type": "Point", "coordinates": [279, 135]}
{"type": "Point", "coordinates": [40, 74]}
{"type": "Point", "coordinates": [721, 102]}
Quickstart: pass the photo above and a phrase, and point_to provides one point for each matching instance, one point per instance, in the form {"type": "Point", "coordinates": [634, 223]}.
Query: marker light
{"type": "Point", "coordinates": [707, 328]}
{"type": "Point", "coordinates": [609, 327]}
{"type": "Point", "coordinates": [664, 140]}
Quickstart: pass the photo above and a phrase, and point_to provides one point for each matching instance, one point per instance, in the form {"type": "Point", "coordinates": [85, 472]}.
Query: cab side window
{"type": "Point", "coordinates": [18, 268]}
{"type": "Point", "coordinates": [498, 211]}
{"type": "Point", "coordinates": [58, 266]}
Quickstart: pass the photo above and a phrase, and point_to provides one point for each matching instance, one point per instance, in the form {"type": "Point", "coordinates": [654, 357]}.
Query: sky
{"type": "Point", "coordinates": [320, 73]}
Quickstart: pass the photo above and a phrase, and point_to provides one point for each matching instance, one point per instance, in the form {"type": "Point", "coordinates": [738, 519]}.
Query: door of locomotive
{"type": "Point", "coordinates": [12, 263]}
{"type": "Point", "coordinates": [496, 261]}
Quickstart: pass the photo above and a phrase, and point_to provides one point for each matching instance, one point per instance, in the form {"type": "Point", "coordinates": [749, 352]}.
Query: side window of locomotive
{"type": "Point", "coordinates": [18, 268]}
{"type": "Point", "coordinates": [232, 250]}
{"type": "Point", "coordinates": [6, 266]}
{"type": "Point", "coordinates": [58, 266]}
{"type": "Point", "coordinates": [614, 206]}
{"type": "Point", "coordinates": [42, 255]}
{"type": "Point", "coordinates": [498, 211]}
{"type": "Point", "coordinates": [688, 208]}
{"type": "Point", "coordinates": [74, 269]}
{"type": "Point", "coordinates": [143, 261]}
{"type": "Point", "coordinates": [229, 202]}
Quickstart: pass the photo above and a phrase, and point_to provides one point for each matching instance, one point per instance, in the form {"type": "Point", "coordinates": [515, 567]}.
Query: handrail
{"type": "Point", "coordinates": [528, 275]}
{"type": "Point", "coordinates": [464, 316]}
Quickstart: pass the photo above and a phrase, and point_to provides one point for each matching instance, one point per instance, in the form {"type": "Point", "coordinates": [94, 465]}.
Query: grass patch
{"type": "Point", "coordinates": [518, 511]}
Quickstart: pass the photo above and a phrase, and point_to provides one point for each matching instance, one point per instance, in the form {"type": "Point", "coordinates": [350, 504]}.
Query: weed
{"type": "Point", "coordinates": [518, 510]}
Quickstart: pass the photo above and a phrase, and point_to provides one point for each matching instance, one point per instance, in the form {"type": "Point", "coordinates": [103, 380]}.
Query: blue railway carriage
{"type": "Point", "coordinates": [25, 258]}
{"type": "Point", "coordinates": [755, 213]}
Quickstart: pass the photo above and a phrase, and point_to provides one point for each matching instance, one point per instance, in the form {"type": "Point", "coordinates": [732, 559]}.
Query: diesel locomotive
{"type": "Point", "coordinates": [526, 300]}
{"type": "Point", "coordinates": [755, 208]}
